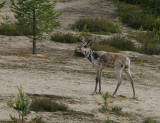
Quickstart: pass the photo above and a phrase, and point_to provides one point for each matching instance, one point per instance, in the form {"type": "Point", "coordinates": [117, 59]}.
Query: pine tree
{"type": "Point", "coordinates": [36, 15]}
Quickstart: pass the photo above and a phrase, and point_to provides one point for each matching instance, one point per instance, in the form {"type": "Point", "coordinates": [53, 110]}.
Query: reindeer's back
{"type": "Point", "coordinates": [112, 59]}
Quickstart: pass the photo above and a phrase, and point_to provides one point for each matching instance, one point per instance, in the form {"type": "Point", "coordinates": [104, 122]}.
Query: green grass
{"type": "Point", "coordinates": [65, 38]}
{"type": "Point", "coordinates": [14, 29]}
{"type": "Point", "coordinates": [46, 105]}
{"type": "Point", "coordinates": [96, 26]}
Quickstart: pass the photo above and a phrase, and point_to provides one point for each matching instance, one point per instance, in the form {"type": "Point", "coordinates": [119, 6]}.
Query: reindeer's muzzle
{"type": "Point", "coordinates": [78, 49]}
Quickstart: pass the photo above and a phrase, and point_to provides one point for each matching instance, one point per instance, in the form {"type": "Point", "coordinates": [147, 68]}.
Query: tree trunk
{"type": "Point", "coordinates": [155, 7]}
{"type": "Point", "coordinates": [22, 118]}
{"type": "Point", "coordinates": [34, 32]}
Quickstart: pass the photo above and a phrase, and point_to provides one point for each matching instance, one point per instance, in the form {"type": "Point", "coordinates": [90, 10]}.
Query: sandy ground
{"type": "Point", "coordinates": [56, 71]}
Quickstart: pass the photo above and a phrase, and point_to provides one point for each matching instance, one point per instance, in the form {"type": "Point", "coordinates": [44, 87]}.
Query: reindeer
{"type": "Point", "coordinates": [102, 60]}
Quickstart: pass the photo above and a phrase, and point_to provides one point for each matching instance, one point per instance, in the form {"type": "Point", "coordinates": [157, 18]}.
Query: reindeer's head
{"type": "Point", "coordinates": [85, 45]}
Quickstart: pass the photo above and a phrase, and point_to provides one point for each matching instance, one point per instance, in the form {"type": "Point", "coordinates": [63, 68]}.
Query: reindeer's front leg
{"type": "Point", "coordinates": [95, 90]}
{"type": "Point", "coordinates": [97, 80]}
{"type": "Point", "coordinates": [100, 74]}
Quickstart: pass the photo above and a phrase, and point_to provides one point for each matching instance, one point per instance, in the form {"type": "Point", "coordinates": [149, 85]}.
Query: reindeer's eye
{"type": "Point", "coordinates": [85, 46]}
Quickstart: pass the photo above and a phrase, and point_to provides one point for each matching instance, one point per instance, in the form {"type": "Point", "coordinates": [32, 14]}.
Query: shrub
{"type": "Point", "coordinates": [78, 53]}
{"type": "Point", "coordinates": [150, 49]}
{"type": "Point", "coordinates": [65, 38]}
{"type": "Point", "coordinates": [14, 29]}
{"type": "Point", "coordinates": [96, 25]}
{"type": "Point", "coordinates": [136, 18]}
{"type": "Point", "coordinates": [116, 110]}
{"type": "Point", "coordinates": [119, 42]}
{"type": "Point", "coordinates": [150, 42]}
{"type": "Point", "coordinates": [46, 105]}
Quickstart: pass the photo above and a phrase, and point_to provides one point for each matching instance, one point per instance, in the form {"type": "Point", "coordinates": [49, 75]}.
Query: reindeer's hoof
{"type": "Point", "coordinates": [99, 92]}
{"type": "Point", "coordinates": [94, 93]}
{"type": "Point", "coordinates": [135, 97]}
{"type": "Point", "coordinates": [113, 96]}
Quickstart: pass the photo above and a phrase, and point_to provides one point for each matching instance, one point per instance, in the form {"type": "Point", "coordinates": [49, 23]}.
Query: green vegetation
{"type": "Point", "coordinates": [150, 42]}
{"type": "Point", "coordinates": [38, 15]}
{"type": "Point", "coordinates": [119, 42]}
{"type": "Point", "coordinates": [102, 47]}
{"type": "Point", "coordinates": [76, 53]}
{"type": "Point", "coordinates": [137, 18]}
{"type": "Point", "coordinates": [150, 120]}
{"type": "Point", "coordinates": [20, 104]}
{"type": "Point", "coordinates": [105, 101]}
{"type": "Point", "coordinates": [37, 120]}
{"type": "Point", "coordinates": [48, 105]}
{"type": "Point", "coordinates": [14, 29]}
{"type": "Point", "coordinates": [96, 25]}
{"type": "Point", "coordinates": [151, 6]}
{"type": "Point", "coordinates": [65, 38]}
{"type": "Point", "coordinates": [116, 110]}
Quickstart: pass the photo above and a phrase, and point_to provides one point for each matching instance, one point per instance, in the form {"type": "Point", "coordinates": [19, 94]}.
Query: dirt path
{"type": "Point", "coordinates": [56, 71]}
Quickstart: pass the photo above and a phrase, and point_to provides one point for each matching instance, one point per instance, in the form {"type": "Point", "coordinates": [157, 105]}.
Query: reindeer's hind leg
{"type": "Point", "coordinates": [128, 73]}
{"type": "Point", "coordinates": [118, 71]}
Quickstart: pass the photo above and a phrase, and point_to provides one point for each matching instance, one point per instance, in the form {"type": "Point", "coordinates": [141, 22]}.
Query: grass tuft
{"type": "Point", "coordinates": [116, 110]}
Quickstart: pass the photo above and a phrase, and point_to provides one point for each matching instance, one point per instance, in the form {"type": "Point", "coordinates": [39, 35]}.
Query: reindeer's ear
{"type": "Point", "coordinates": [89, 43]}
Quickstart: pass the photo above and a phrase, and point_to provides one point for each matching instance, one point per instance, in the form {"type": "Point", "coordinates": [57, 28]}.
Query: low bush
{"type": "Point", "coordinates": [150, 42]}
{"type": "Point", "coordinates": [15, 29]}
{"type": "Point", "coordinates": [136, 18]}
{"type": "Point", "coordinates": [46, 105]}
{"type": "Point", "coordinates": [65, 38]}
{"type": "Point", "coordinates": [119, 42]}
{"type": "Point", "coordinates": [76, 53]}
{"type": "Point", "coordinates": [150, 49]}
{"type": "Point", "coordinates": [96, 25]}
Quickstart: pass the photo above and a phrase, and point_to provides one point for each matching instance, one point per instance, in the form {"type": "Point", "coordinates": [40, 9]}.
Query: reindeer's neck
{"type": "Point", "coordinates": [91, 55]}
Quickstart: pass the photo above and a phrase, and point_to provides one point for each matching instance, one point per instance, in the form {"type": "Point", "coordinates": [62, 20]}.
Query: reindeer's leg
{"type": "Point", "coordinates": [128, 73]}
{"type": "Point", "coordinates": [100, 75]}
{"type": "Point", "coordinates": [97, 80]}
{"type": "Point", "coordinates": [118, 73]}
